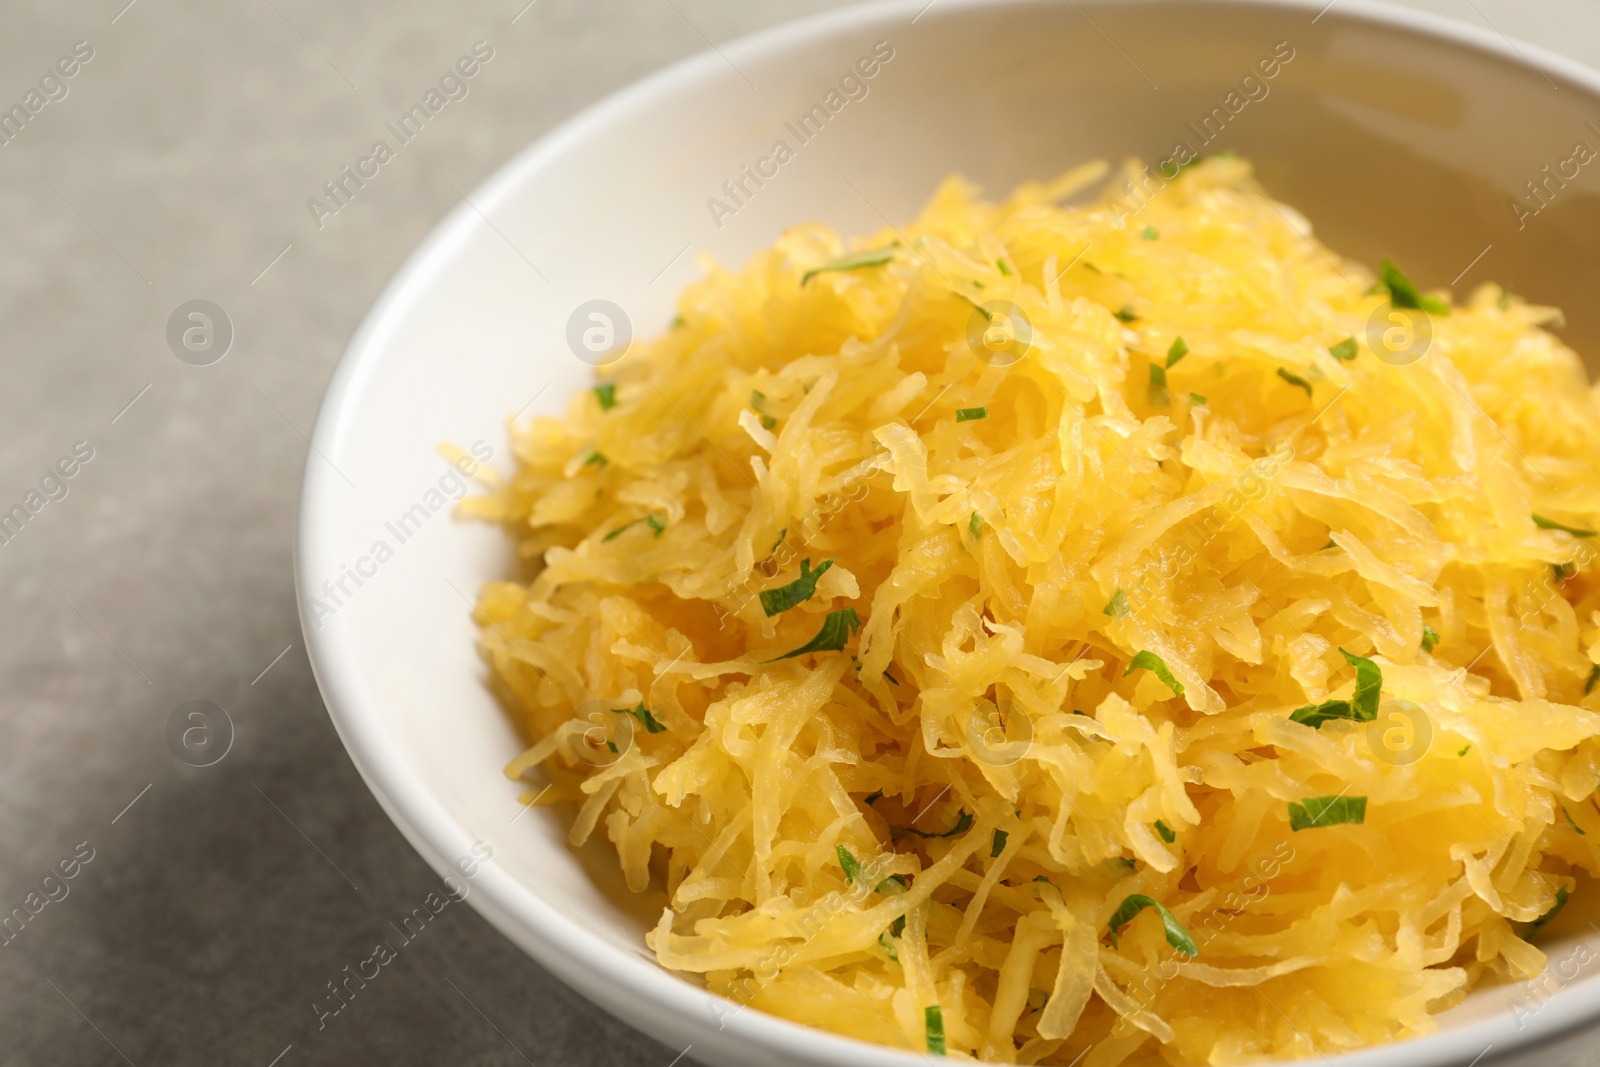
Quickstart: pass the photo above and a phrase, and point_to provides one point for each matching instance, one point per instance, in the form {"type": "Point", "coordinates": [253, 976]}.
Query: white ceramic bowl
{"type": "Point", "coordinates": [1397, 133]}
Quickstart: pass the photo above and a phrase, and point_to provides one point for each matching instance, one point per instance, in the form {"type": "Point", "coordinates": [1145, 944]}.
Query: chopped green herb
{"type": "Point", "coordinates": [758, 399]}
{"type": "Point", "coordinates": [975, 526]}
{"type": "Point", "coordinates": [1153, 663]}
{"type": "Point", "coordinates": [837, 628]}
{"type": "Point", "coordinates": [612, 745]}
{"type": "Point", "coordinates": [1197, 400]}
{"type": "Point", "coordinates": [1551, 524]}
{"type": "Point", "coordinates": [1573, 821]}
{"type": "Point", "coordinates": [1150, 233]}
{"type": "Point", "coordinates": [1463, 751]}
{"type": "Point", "coordinates": [768, 422]}
{"type": "Point", "coordinates": [1133, 904]}
{"type": "Point", "coordinates": [620, 530]}
{"type": "Point", "coordinates": [647, 720]}
{"type": "Point", "coordinates": [1594, 676]}
{"type": "Point", "coordinates": [1561, 902]}
{"type": "Point", "coordinates": [1295, 380]}
{"type": "Point", "coordinates": [1042, 878]}
{"type": "Point", "coordinates": [872, 257]}
{"type": "Point", "coordinates": [1369, 683]}
{"type": "Point", "coordinates": [1403, 292]}
{"type": "Point", "coordinates": [781, 535]}
{"type": "Point", "coordinates": [1037, 999]}
{"type": "Point", "coordinates": [1327, 811]}
{"type": "Point", "coordinates": [1344, 351]}
{"type": "Point", "coordinates": [1003, 268]}
{"type": "Point", "coordinates": [776, 601]}
{"type": "Point", "coordinates": [985, 312]}
{"type": "Point", "coordinates": [1562, 571]}
{"type": "Point", "coordinates": [595, 457]}
{"type": "Point", "coordinates": [999, 845]}
{"type": "Point", "coordinates": [933, 1021]}
{"type": "Point", "coordinates": [1179, 349]}
{"type": "Point", "coordinates": [1430, 637]}
{"type": "Point", "coordinates": [1505, 297]}
{"type": "Point", "coordinates": [606, 393]}
{"type": "Point", "coordinates": [963, 824]}
{"type": "Point", "coordinates": [971, 414]}
{"type": "Point", "coordinates": [888, 945]}
{"type": "Point", "coordinates": [1158, 395]}
{"type": "Point", "coordinates": [677, 320]}
{"type": "Point", "coordinates": [655, 522]}
{"type": "Point", "coordinates": [1314, 715]}
{"type": "Point", "coordinates": [1117, 606]}
{"type": "Point", "coordinates": [898, 927]}
{"type": "Point", "coordinates": [893, 886]}
{"type": "Point", "coordinates": [847, 862]}
{"type": "Point", "coordinates": [1125, 313]}
{"type": "Point", "coordinates": [1166, 833]}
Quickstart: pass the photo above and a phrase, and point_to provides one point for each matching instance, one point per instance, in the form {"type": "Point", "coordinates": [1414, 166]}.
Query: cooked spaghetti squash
{"type": "Point", "coordinates": [1100, 627]}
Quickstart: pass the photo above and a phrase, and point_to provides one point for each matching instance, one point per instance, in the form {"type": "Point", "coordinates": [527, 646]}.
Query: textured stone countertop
{"type": "Point", "coordinates": [209, 907]}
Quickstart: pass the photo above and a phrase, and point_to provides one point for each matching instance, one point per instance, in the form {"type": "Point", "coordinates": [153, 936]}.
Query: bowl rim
{"type": "Point", "coordinates": [602, 971]}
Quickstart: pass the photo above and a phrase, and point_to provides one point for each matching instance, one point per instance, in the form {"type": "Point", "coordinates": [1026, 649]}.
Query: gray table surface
{"type": "Point", "coordinates": [220, 901]}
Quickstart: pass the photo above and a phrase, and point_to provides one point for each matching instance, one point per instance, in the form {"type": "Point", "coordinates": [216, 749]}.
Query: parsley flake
{"type": "Point", "coordinates": [1369, 683]}
{"type": "Point", "coordinates": [1153, 663]}
{"type": "Point", "coordinates": [1133, 904]}
{"type": "Point", "coordinates": [1403, 292]}
{"type": "Point", "coordinates": [1158, 395]}
{"type": "Point", "coordinates": [1561, 902]}
{"type": "Point", "coordinates": [647, 720]}
{"type": "Point", "coordinates": [963, 824]}
{"type": "Point", "coordinates": [1295, 380]}
{"type": "Point", "coordinates": [852, 869]}
{"type": "Point", "coordinates": [1551, 524]}
{"type": "Point", "coordinates": [933, 1022]}
{"type": "Point", "coordinates": [872, 257]}
{"type": "Point", "coordinates": [1314, 715]}
{"type": "Point", "coordinates": [1327, 811]}
{"type": "Point", "coordinates": [837, 628]}
{"type": "Point", "coordinates": [776, 601]}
